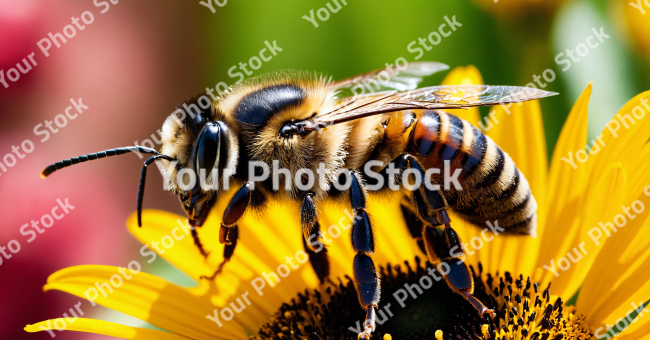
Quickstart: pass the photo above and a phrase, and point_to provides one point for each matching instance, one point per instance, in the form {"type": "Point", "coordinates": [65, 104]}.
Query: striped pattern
{"type": "Point", "coordinates": [256, 108]}
{"type": "Point", "coordinates": [452, 145]}
{"type": "Point", "coordinates": [493, 189]}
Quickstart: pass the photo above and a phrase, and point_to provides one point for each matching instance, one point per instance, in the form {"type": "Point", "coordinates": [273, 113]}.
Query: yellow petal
{"type": "Point", "coordinates": [566, 188]}
{"type": "Point", "coordinates": [641, 332]}
{"type": "Point", "coordinates": [394, 242]}
{"type": "Point", "coordinates": [146, 297]}
{"type": "Point", "coordinates": [261, 249]}
{"type": "Point", "coordinates": [519, 131]}
{"type": "Point", "coordinates": [103, 328]}
{"type": "Point", "coordinates": [174, 243]}
{"type": "Point", "coordinates": [620, 275]}
{"type": "Point", "coordinates": [265, 242]}
{"type": "Point", "coordinates": [602, 202]}
{"type": "Point", "coordinates": [182, 253]}
{"type": "Point", "coordinates": [625, 140]}
{"type": "Point", "coordinates": [469, 75]}
{"type": "Point", "coordinates": [268, 244]}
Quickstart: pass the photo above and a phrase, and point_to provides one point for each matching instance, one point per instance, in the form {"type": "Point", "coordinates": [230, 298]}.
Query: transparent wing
{"type": "Point", "coordinates": [434, 97]}
{"type": "Point", "coordinates": [387, 79]}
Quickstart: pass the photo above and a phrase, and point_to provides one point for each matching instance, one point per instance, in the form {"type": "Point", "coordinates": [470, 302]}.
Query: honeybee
{"type": "Point", "coordinates": [303, 121]}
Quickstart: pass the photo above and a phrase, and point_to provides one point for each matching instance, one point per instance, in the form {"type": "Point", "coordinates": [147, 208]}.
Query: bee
{"type": "Point", "coordinates": [301, 121]}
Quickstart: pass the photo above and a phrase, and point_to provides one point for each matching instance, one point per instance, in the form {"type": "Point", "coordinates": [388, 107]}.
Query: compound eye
{"type": "Point", "coordinates": [207, 147]}
{"type": "Point", "coordinates": [212, 148]}
{"type": "Point", "coordinates": [287, 130]}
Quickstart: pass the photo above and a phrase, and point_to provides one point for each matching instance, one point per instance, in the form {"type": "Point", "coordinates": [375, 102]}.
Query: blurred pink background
{"type": "Point", "coordinates": [121, 66]}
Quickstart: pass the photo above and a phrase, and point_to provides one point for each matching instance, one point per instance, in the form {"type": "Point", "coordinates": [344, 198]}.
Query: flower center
{"type": "Point", "coordinates": [417, 304]}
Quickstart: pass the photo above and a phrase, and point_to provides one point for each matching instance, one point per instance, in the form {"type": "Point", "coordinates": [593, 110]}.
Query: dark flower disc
{"type": "Point", "coordinates": [417, 304]}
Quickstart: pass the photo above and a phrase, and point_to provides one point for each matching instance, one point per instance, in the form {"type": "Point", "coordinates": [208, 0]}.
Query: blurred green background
{"type": "Point", "coordinates": [509, 43]}
{"type": "Point", "coordinates": [138, 60]}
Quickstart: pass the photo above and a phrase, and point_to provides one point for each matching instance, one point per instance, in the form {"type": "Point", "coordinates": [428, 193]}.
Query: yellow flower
{"type": "Point", "coordinates": [574, 196]}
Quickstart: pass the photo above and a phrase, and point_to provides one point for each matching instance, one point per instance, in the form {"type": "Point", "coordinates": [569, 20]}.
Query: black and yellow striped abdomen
{"type": "Point", "coordinates": [493, 189]}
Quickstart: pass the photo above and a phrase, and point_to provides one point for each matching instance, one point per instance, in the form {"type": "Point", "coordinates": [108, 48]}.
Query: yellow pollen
{"type": "Point", "coordinates": [388, 337]}
{"type": "Point", "coordinates": [529, 312]}
{"type": "Point", "coordinates": [438, 335]}
{"type": "Point", "coordinates": [486, 331]}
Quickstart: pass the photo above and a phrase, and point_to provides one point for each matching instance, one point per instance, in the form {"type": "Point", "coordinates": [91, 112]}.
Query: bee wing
{"type": "Point", "coordinates": [387, 79]}
{"type": "Point", "coordinates": [434, 97]}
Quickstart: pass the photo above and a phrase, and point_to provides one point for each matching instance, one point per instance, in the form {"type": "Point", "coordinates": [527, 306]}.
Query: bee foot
{"type": "Point", "coordinates": [366, 333]}
{"type": "Point", "coordinates": [216, 272]}
{"type": "Point", "coordinates": [489, 312]}
{"type": "Point", "coordinates": [369, 323]}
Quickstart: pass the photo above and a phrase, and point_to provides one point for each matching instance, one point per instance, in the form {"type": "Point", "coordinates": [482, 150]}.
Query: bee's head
{"type": "Point", "coordinates": [199, 149]}
{"type": "Point", "coordinates": [205, 150]}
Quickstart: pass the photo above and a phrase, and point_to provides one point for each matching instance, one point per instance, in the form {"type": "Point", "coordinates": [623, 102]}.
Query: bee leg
{"type": "Point", "coordinates": [440, 240]}
{"type": "Point", "coordinates": [366, 277]}
{"type": "Point", "coordinates": [311, 238]}
{"type": "Point", "coordinates": [230, 236]}
{"type": "Point", "coordinates": [308, 216]}
{"type": "Point", "coordinates": [414, 225]}
{"type": "Point", "coordinates": [229, 233]}
{"type": "Point", "coordinates": [368, 291]}
{"type": "Point", "coordinates": [444, 246]}
{"type": "Point", "coordinates": [197, 241]}
{"type": "Point", "coordinates": [198, 220]}
{"type": "Point", "coordinates": [401, 163]}
{"type": "Point", "coordinates": [318, 256]}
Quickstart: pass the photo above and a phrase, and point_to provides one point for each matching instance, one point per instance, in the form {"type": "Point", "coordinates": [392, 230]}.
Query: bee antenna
{"type": "Point", "coordinates": [143, 177]}
{"type": "Point", "coordinates": [92, 156]}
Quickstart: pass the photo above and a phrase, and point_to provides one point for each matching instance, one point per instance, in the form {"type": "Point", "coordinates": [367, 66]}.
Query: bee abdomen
{"type": "Point", "coordinates": [493, 189]}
